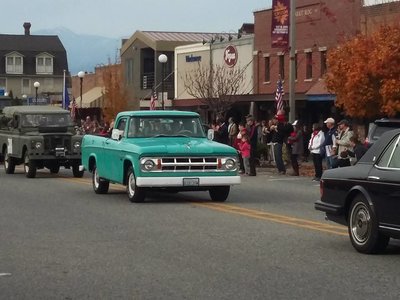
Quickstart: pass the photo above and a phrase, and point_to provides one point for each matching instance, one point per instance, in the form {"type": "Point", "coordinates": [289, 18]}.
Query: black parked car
{"type": "Point", "coordinates": [379, 127]}
{"type": "Point", "coordinates": [366, 197]}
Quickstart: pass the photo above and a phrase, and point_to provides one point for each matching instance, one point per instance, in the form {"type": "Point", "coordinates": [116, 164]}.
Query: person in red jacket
{"type": "Point", "coordinates": [244, 150]}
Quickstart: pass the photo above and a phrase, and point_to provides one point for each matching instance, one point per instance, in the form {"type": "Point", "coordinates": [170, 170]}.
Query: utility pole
{"type": "Point", "coordinates": [292, 61]}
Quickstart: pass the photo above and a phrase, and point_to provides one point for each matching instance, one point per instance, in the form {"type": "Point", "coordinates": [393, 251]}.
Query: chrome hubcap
{"type": "Point", "coordinates": [131, 185]}
{"type": "Point", "coordinates": [360, 223]}
{"type": "Point", "coordinates": [96, 178]}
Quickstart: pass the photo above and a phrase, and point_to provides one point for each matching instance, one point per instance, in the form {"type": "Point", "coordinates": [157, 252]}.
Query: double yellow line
{"type": "Point", "coordinates": [250, 213]}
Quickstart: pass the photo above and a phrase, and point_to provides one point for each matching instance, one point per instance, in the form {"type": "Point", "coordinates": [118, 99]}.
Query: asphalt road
{"type": "Point", "coordinates": [59, 240]}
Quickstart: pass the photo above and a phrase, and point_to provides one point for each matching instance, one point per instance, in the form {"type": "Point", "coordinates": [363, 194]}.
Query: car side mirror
{"type": "Point", "coordinates": [116, 134]}
{"type": "Point", "coordinates": [210, 134]}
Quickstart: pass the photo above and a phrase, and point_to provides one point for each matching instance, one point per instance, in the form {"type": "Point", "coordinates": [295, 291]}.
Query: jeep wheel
{"type": "Point", "coordinates": [29, 167]}
{"type": "Point", "coordinates": [9, 163]}
{"type": "Point", "coordinates": [135, 193]}
{"type": "Point", "coordinates": [363, 228]}
{"type": "Point", "coordinates": [54, 169]}
{"type": "Point", "coordinates": [100, 185]}
{"type": "Point", "coordinates": [76, 172]}
{"type": "Point", "coordinates": [219, 193]}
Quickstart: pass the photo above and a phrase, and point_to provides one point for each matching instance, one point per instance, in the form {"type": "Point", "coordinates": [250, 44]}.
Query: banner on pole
{"type": "Point", "coordinates": [280, 23]}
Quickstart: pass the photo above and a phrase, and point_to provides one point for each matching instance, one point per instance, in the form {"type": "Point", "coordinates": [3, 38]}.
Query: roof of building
{"type": "Point", "coordinates": [38, 43]}
{"type": "Point", "coordinates": [167, 40]}
{"type": "Point", "coordinates": [29, 46]}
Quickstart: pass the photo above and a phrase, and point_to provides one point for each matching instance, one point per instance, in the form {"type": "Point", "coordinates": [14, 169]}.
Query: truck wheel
{"type": "Point", "coordinates": [29, 167]}
{"type": "Point", "coordinates": [100, 185]}
{"type": "Point", "coordinates": [54, 169]}
{"type": "Point", "coordinates": [219, 193]}
{"type": "Point", "coordinates": [76, 172]}
{"type": "Point", "coordinates": [363, 228]}
{"type": "Point", "coordinates": [135, 193]}
{"type": "Point", "coordinates": [9, 163]}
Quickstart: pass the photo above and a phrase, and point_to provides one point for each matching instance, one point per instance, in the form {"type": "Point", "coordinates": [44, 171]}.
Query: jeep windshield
{"type": "Point", "coordinates": [46, 120]}
{"type": "Point", "coordinates": [171, 126]}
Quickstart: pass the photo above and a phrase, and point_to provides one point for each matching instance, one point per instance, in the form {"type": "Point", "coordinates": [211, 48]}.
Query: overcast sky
{"type": "Point", "coordinates": [121, 18]}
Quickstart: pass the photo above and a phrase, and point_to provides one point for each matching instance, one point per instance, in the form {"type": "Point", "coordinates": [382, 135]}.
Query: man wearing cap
{"type": "Point", "coordinates": [330, 141]}
{"type": "Point", "coordinates": [343, 143]}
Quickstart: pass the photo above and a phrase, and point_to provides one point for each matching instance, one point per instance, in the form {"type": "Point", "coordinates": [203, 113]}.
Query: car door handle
{"type": "Point", "coordinates": [373, 178]}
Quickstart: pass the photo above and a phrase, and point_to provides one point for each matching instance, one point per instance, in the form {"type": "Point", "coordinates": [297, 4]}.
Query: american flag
{"type": "Point", "coordinates": [279, 96]}
{"type": "Point", "coordinates": [153, 100]}
{"type": "Point", "coordinates": [73, 109]}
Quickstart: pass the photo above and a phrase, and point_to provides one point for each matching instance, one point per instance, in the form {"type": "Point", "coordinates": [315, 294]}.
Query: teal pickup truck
{"type": "Point", "coordinates": [160, 150]}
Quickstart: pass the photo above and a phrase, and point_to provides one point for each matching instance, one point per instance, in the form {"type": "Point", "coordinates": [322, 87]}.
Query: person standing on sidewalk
{"type": "Point", "coordinates": [296, 141]}
{"type": "Point", "coordinates": [330, 139]}
{"type": "Point", "coordinates": [343, 143]}
{"type": "Point", "coordinates": [253, 138]}
{"type": "Point", "coordinates": [314, 145]}
{"type": "Point", "coordinates": [232, 131]}
{"type": "Point", "coordinates": [245, 150]}
{"type": "Point", "coordinates": [278, 138]}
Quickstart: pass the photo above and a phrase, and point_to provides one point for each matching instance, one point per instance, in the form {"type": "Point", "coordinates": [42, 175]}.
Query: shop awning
{"type": "Point", "coordinates": [92, 98]}
{"type": "Point", "coordinates": [319, 92]}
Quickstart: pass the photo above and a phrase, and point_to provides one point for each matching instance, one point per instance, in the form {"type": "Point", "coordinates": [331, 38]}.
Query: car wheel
{"type": "Point", "coordinates": [9, 163]}
{"type": "Point", "coordinates": [100, 185]}
{"type": "Point", "coordinates": [219, 193]}
{"type": "Point", "coordinates": [135, 193]}
{"type": "Point", "coordinates": [29, 167]}
{"type": "Point", "coordinates": [363, 228]}
{"type": "Point", "coordinates": [54, 169]}
{"type": "Point", "coordinates": [76, 172]}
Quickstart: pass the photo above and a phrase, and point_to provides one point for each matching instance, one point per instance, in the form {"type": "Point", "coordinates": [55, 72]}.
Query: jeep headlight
{"type": "Point", "coordinates": [147, 165]}
{"type": "Point", "coordinates": [230, 164]}
{"type": "Point", "coordinates": [77, 145]}
{"type": "Point", "coordinates": [36, 145]}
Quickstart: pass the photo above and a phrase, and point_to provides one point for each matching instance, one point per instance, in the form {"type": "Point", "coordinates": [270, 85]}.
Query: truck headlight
{"type": "Point", "coordinates": [77, 145]}
{"type": "Point", "coordinates": [36, 145]}
{"type": "Point", "coordinates": [230, 164]}
{"type": "Point", "coordinates": [148, 165]}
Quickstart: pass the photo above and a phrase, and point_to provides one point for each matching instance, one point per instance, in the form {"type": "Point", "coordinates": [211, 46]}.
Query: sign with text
{"type": "Point", "coordinates": [280, 23]}
{"type": "Point", "coordinates": [230, 56]}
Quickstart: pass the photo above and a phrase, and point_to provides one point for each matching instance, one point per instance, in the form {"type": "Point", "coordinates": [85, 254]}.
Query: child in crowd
{"type": "Point", "coordinates": [244, 151]}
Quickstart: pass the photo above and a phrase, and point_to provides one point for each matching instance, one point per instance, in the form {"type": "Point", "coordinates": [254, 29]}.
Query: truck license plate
{"type": "Point", "coordinates": [190, 181]}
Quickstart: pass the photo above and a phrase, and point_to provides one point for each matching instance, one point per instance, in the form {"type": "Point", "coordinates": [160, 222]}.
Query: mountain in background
{"type": "Point", "coordinates": [84, 52]}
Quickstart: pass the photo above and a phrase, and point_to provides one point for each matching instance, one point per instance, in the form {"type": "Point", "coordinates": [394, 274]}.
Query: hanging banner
{"type": "Point", "coordinates": [280, 23]}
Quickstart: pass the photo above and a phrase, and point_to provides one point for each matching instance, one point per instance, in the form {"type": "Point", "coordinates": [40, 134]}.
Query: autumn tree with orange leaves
{"type": "Point", "coordinates": [114, 93]}
{"type": "Point", "coordinates": [364, 73]}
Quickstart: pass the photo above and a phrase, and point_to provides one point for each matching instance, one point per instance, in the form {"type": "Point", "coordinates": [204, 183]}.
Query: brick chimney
{"type": "Point", "coordinates": [27, 27]}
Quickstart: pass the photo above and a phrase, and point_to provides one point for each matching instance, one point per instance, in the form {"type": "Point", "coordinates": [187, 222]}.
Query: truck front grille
{"type": "Point", "coordinates": [188, 164]}
{"type": "Point", "coordinates": [60, 141]}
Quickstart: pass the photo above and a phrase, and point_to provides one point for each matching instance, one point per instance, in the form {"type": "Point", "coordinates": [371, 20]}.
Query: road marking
{"type": "Point", "coordinates": [263, 215]}
{"type": "Point", "coordinates": [5, 274]}
{"type": "Point", "coordinates": [252, 213]}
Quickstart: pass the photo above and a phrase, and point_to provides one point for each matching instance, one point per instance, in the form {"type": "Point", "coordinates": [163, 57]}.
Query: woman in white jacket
{"type": "Point", "coordinates": [316, 141]}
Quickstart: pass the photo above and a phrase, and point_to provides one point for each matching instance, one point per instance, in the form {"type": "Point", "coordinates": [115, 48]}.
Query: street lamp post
{"type": "Point", "coordinates": [36, 85]}
{"type": "Point", "coordinates": [81, 74]}
{"type": "Point", "coordinates": [163, 60]}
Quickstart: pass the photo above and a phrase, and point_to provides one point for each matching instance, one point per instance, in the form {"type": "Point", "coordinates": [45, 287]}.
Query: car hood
{"type": "Point", "coordinates": [179, 146]}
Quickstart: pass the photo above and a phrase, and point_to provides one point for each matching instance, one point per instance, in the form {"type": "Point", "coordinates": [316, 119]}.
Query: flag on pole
{"type": "Point", "coordinates": [153, 100]}
{"type": "Point", "coordinates": [65, 98]}
{"type": "Point", "coordinates": [279, 97]}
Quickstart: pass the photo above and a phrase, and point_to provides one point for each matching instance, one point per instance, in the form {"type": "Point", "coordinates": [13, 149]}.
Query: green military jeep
{"type": "Point", "coordinates": [39, 137]}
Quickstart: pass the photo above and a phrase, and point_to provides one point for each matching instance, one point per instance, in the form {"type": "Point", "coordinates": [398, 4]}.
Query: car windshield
{"type": "Point", "coordinates": [165, 126]}
{"type": "Point", "coordinates": [44, 120]}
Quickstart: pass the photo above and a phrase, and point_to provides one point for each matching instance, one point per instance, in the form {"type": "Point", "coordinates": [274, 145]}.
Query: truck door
{"type": "Point", "coordinates": [114, 154]}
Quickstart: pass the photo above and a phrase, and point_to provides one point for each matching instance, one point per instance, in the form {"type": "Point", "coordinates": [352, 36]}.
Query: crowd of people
{"type": "Point", "coordinates": [333, 143]}
{"type": "Point", "coordinates": [90, 125]}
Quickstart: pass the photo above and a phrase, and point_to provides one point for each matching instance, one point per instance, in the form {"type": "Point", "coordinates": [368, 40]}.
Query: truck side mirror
{"type": "Point", "coordinates": [210, 134]}
{"type": "Point", "coordinates": [116, 134]}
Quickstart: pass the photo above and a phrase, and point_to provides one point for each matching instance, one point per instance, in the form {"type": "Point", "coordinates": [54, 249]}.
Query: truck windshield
{"type": "Point", "coordinates": [170, 126]}
{"type": "Point", "coordinates": [44, 120]}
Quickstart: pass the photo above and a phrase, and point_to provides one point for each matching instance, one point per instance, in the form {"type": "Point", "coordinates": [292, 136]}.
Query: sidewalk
{"type": "Point", "coordinates": [306, 169]}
